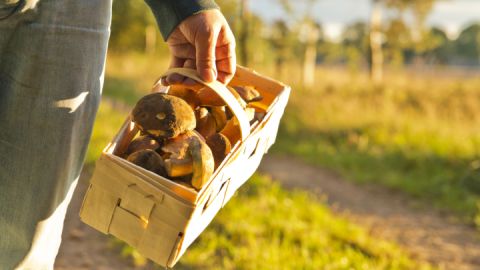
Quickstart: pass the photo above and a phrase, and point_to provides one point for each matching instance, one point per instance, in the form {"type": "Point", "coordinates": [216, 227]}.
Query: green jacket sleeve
{"type": "Point", "coordinates": [170, 13]}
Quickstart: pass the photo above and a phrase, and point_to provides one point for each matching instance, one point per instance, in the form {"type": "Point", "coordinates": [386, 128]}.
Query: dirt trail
{"type": "Point", "coordinates": [426, 234]}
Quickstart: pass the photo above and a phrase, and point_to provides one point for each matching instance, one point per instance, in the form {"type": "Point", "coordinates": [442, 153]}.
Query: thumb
{"type": "Point", "coordinates": [205, 46]}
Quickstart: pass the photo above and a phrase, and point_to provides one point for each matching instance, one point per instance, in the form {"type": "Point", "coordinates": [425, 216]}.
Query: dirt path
{"type": "Point", "coordinates": [427, 235]}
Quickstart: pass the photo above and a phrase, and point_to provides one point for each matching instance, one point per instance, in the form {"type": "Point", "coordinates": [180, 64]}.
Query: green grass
{"type": "Point", "coordinates": [417, 135]}
{"type": "Point", "coordinates": [266, 227]}
{"type": "Point", "coordinates": [108, 123]}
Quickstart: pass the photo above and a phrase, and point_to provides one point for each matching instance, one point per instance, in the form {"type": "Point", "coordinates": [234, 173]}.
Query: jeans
{"type": "Point", "coordinates": [52, 57]}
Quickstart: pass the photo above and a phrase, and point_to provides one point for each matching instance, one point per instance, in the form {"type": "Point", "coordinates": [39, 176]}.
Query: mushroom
{"type": "Point", "coordinates": [248, 93]}
{"type": "Point", "coordinates": [186, 149]}
{"type": "Point", "coordinates": [220, 117]}
{"type": "Point", "coordinates": [142, 142]}
{"type": "Point", "coordinates": [189, 95]}
{"type": "Point", "coordinates": [163, 116]}
{"type": "Point", "coordinates": [149, 160]}
{"type": "Point", "coordinates": [237, 97]}
{"type": "Point", "coordinates": [232, 127]}
{"type": "Point", "coordinates": [232, 130]}
{"type": "Point", "coordinates": [206, 123]}
{"type": "Point", "coordinates": [220, 146]}
{"type": "Point", "coordinates": [208, 97]}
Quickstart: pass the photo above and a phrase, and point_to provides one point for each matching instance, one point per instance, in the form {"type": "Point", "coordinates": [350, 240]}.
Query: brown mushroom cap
{"type": "Point", "coordinates": [220, 117]}
{"type": "Point", "coordinates": [163, 115]}
{"type": "Point", "coordinates": [206, 122]}
{"type": "Point", "coordinates": [220, 146]}
{"type": "Point", "coordinates": [248, 93]}
{"type": "Point", "coordinates": [232, 130]}
{"type": "Point", "coordinates": [149, 160]}
{"type": "Point", "coordinates": [189, 95]}
{"type": "Point", "coordinates": [208, 97]}
{"type": "Point", "coordinates": [142, 143]}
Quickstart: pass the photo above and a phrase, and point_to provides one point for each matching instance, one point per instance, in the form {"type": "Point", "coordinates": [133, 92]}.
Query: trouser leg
{"type": "Point", "coordinates": [51, 73]}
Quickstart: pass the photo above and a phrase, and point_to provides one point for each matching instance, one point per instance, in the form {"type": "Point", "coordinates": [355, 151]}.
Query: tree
{"type": "Point", "coordinates": [468, 43]}
{"type": "Point", "coordinates": [355, 42]}
{"type": "Point", "coordinates": [398, 39]}
{"type": "Point", "coordinates": [243, 34]}
{"type": "Point", "coordinates": [442, 49]}
{"type": "Point", "coordinates": [130, 24]}
{"type": "Point", "coordinates": [281, 43]}
{"type": "Point", "coordinates": [376, 40]}
{"type": "Point", "coordinates": [310, 33]}
{"type": "Point", "coordinates": [420, 9]}
{"type": "Point", "coordinates": [420, 34]}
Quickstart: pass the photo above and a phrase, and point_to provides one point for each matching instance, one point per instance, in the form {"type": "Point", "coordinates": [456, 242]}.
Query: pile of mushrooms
{"type": "Point", "coordinates": [187, 133]}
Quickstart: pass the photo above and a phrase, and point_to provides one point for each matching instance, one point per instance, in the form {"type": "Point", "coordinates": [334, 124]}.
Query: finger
{"type": "Point", "coordinates": [175, 78]}
{"type": "Point", "coordinates": [189, 63]}
{"type": "Point", "coordinates": [226, 69]}
{"type": "Point", "coordinates": [205, 45]}
{"type": "Point", "coordinates": [225, 51]}
{"type": "Point", "coordinates": [224, 78]}
{"type": "Point", "coordinates": [185, 51]}
{"type": "Point", "coordinates": [227, 60]}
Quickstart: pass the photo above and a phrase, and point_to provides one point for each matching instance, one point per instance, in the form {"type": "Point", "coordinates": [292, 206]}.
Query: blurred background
{"type": "Point", "coordinates": [377, 161]}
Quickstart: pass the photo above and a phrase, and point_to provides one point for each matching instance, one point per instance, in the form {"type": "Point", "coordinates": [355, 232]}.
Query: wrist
{"type": "Point", "coordinates": [170, 13]}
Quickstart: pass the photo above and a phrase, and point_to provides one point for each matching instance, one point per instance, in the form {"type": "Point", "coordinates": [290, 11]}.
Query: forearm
{"type": "Point", "coordinates": [169, 13]}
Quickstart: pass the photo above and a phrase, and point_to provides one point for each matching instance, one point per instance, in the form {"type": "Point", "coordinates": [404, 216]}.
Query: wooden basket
{"type": "Point", "coordinates": [159, 217]}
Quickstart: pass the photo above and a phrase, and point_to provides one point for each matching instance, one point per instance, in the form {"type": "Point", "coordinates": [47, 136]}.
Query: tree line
{"type": "Point", "coordinates": [382, 41]}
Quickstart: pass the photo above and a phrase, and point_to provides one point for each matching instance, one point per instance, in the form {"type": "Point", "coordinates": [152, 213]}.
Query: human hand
{"type": "Point", "coordinates": [204, 42]}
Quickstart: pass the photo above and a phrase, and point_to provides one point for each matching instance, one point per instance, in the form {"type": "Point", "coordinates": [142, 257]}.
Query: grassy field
{"type": "Point", "coordinates": [299, 232]}
{"type": "Point", "coordinates": [417, 134]}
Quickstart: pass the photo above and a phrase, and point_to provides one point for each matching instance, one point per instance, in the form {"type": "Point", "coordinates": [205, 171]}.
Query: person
{"type": "Point", "coordinates": [52, 57]}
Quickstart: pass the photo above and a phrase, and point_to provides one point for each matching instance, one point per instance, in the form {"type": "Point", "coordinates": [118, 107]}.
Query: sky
{"type": "Point", "coordinates": [450, 15]}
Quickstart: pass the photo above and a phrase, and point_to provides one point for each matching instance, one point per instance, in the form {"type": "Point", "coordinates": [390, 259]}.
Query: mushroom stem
{"type": "Point", "coordinates": [177, 167]}
{"type": "Point", "coordinates": [203, 162]}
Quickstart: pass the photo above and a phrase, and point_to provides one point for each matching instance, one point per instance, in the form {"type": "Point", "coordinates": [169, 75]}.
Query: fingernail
{"type": "Point", "coordinates": [163, 81]}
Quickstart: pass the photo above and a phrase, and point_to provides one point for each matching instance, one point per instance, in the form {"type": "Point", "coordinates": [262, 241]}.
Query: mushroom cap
{"type": "Point", "coordinates": [208, 97]}
{"type": "Point", "coordinates": [163, 115]}
{"type": "Point", "coordinates": [220, 146]}
{"type": "Point", "coordinates": [206, 122]}
{"type": "Point", "coordinates": [248, 93]}
{"type": "Point", "coordinates": [187, 94]}
{"type": "Point", "coordinates": [220, 117]}
{"type": "Point", "coordinates": [149, 160]}
{"type": "Point", "coordinates": [143, 142]}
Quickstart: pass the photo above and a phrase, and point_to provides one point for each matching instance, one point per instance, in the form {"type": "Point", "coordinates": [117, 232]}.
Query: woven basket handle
{"type": "Point", "coordinates": [223, 92]}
